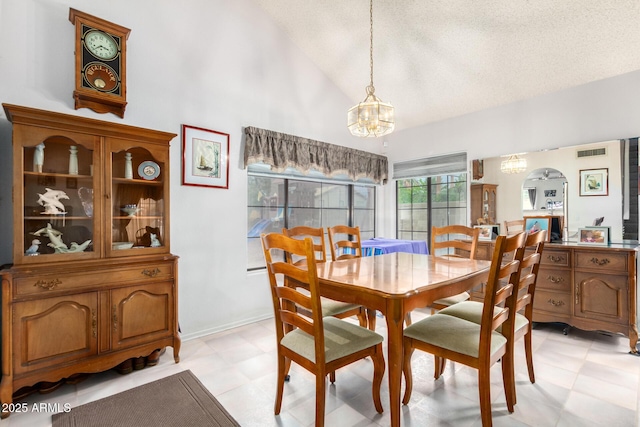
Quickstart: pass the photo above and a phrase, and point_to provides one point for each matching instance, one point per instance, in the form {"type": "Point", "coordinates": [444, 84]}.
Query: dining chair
{"type": "Point", "coordinates": [513, 227]}
{"type": "Point", "coordinates": [520, 303]}
{"type": "Point", "coordinates": [475, 345]}
{"type": "Point", "coordinates": [319, 344]}
{"type": "Point", "coordinates": [344, 242]}
{"type": "Point", "coordinates": [456, 241]}
{"type": "Point", "coordinates": [330, 307]}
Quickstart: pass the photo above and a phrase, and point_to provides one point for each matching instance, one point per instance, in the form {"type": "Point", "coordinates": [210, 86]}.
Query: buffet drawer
{"type": "Point", "coordinates": [140, 273]}
{"type": "Point", "coordinates": [558, 258]}
{"type": "Point", "coordinates": [553, 302]}
{"type": "Point", "coordinates": [554, 279]}
{"type": "Point", "coordinates": [613, 262]}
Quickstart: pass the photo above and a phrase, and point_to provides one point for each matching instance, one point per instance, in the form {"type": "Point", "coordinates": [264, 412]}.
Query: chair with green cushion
{"type": "Point", "coordinates": [330, 307]}
{"type": "Point", "coordinates": [463, 241]}
{"type": "Point", "coordinates": [478, 346]}
{"type": "Point", "coordinates": [319, 344]}
{"type": "Point", "coordinates": [521, 302]}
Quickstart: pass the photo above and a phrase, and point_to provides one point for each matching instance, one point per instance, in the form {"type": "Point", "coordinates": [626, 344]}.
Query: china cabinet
{"type": "Point", "coordinates": [93, 282]}
{"type": "Point", "coordinates": [483, 203]}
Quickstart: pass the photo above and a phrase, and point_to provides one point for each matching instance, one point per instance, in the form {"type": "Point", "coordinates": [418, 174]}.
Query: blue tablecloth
{"type": "Point", "coordinates": [381, 245]}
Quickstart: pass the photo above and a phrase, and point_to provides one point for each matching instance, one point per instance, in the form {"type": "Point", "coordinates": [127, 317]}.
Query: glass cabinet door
{"type": "Point", "coordinates": [137, 200]}
{"type": "Point", "coordinates": [58, 206]}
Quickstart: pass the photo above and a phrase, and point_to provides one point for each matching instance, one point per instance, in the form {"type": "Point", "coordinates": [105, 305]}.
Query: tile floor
{"type": "Point", "coordinates": [582, 379]}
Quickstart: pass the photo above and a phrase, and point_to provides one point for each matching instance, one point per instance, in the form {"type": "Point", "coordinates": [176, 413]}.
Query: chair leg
{"type": "Point", "coordinates": [283, 364]}
{"type": "Point", "coordinates": [407, 319]}
{"type": "Point", "coordinates": [508, 378]}
{"type": "Point", "coordinates": [378, 373]}
{"type": "Point", "coordinates": [406, 370]}
{"type": "Point", "coordinates": [332, 377]}
{"type": "Point", "coordinates": [371, 319]}
{"type": "Point", "coordinates": [321, 381]}
{"type": "Point", "coordinates": [484, 389]}
{"type": "Point", "coordinates": [362, 317]}
{"type": "Point", "coordinates": [439, 365]}
{"type": "Point", "coordinates": [528, 350]}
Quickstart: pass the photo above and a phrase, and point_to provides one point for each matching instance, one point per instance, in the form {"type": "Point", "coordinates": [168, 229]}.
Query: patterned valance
{"type": "Point", "coordinates": [282, 151]}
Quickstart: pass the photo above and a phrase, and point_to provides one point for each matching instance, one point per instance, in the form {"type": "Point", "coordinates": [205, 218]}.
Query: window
{"type": "Point", "coordinates": [424, 202]}
{"type": "Point", "coordinates": [275, 202]}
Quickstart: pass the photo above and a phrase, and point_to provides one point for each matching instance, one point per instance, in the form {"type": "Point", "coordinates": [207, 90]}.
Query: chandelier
{"type": "Point", "coordinates": [513, 164]}
{"type": "Point", "coordinates": [371, 117]}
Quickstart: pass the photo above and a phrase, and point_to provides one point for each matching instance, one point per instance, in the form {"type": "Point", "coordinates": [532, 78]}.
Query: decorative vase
{"type": "Point", "coordinates": [128, 168]}
{"type": "Point", "coordinates": [73, 160]}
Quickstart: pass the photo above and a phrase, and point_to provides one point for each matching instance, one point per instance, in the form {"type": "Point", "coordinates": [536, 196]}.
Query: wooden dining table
{"type": "Point", "coordinates": [395, 284]}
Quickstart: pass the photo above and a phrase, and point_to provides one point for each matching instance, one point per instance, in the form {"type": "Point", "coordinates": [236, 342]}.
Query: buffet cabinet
{"type": "Point", "coordinates": [93, 282]}
{"type": "Point", "coordinates": [589, 287]}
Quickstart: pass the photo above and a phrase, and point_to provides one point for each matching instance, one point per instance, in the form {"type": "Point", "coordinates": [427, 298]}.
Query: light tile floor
{"type": "Point", "coordinates": [582, 379]}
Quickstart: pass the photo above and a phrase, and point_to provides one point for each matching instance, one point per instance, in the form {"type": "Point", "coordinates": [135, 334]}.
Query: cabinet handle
{"type": "Point", "coordinates": [114, 317]}
{"type": "Point", "coordinates": [151, 273]}
{"type": "Point", "coordinates": [555, 258]}
{"type": "Point", "coordinates": [598, 261]}
{"type": "Point", "coordinates": [554, 279]}
{"type": "Point", "coordinates": [577, 293]}
{"type": "Point", "coordinates": [48, 285]}
{"type": "Point", "coordinates": [556, 303]}
{"type": "Point", "coordinates": [94, 324]}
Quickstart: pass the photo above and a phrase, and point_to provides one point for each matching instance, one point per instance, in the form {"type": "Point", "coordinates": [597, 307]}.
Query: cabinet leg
{"type": "Point", "coordinates": [176, 349]}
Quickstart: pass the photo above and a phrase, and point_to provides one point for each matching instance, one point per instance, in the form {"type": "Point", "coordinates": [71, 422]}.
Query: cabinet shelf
{"type": "Point", "coordinates": [137, 181]}
{"type": "Point", "coordinates": [57, 175]}
{"type": "Point", "coordinates": [126, 217]}
{"type": "Point", "coordinates": [57, 218]}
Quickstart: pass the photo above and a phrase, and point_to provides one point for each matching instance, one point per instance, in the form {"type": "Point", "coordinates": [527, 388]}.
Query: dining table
{"type": "Point", "coordinates": [395, 284]}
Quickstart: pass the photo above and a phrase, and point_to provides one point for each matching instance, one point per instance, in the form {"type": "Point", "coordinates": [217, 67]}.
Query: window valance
{"type": "Point", "coordinates": [281, 151]}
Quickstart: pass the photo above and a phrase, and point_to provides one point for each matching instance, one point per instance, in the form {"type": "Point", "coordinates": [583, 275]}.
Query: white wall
{"type": "Point", "coordinates": [215, 64]}
{"type": "Point", "coordinates": [223, 65]}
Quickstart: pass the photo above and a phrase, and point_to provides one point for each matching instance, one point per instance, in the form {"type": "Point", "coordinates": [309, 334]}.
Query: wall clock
{"type": "Point", "coordinates": [100, 67]}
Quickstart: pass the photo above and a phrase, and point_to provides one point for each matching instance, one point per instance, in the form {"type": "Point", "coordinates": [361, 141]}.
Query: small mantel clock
{"type": "Point", "coordinates": [101, 53]}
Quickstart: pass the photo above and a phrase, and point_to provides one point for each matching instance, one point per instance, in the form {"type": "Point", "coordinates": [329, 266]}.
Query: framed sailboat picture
{"type": "Point", "coordinates": [205, 157]}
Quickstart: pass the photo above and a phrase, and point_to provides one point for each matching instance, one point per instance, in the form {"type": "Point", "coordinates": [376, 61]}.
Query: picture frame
{"type": "Point", "coordinates": [486, 231]}
{"type": "Point", "coordinates": [205, 157]}
{"type": "Point", "coordinates": [594, 182]}
{"type": "Point", "coordinates": [536, 223]}
{"type": "Point", "coordinates": [593, 235]}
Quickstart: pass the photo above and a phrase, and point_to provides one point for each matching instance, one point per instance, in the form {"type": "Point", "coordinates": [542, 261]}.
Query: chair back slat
{"type": "Point", "coordinates": [344, 242]}
{"type": "Point", "coordinates": [284, 280]}
{"type": "Point", "coordinates": [316, 234]}
{"type": "Point", "coordinates": [455, 237]}
{"type": "Point", "coordinates": [524, 292]}
{"type": "Point", "coordinates": [503, 277]}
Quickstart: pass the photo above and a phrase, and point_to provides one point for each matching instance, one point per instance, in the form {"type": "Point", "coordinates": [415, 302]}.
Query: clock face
{"type": "Point", "coordinates": [101, 45]}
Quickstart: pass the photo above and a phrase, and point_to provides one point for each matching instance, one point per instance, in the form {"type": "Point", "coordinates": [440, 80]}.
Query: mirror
{"type": "Point", "coordinates": [515, 197]}
{"type": "Point", "coordinates": [543, 192]}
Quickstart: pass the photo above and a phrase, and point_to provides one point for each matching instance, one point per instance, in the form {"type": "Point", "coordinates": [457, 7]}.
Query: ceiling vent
{"type": "Point", "coordinates": [591, 153]}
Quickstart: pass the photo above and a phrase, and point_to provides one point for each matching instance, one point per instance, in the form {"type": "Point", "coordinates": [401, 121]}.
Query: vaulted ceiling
{"type": "Point", "coordinates": [436, 59]}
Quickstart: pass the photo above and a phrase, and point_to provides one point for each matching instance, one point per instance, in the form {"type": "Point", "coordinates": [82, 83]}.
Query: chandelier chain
{"type": "Point", "coordinates": [371, 40]}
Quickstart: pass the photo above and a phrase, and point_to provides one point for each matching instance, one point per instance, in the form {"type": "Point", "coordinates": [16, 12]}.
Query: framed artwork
{"type": "Point", "coordinates": [486, 231]}
{"type": "Point", "coordinates": [594, 182]}
{"type": "Point", "coordinates": [205, 157]}
{"type": "Point", "coordinates": [537, 223]}
{"type": "Point", "coordinates": [593, 235]}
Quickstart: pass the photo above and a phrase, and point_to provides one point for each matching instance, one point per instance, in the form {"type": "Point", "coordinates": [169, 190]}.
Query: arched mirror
{"type": "Point", "coordinates": [543, 192]}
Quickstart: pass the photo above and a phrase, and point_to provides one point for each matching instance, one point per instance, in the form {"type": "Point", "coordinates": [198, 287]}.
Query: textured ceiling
{"type": "Point", "coordinates": [436, 59]}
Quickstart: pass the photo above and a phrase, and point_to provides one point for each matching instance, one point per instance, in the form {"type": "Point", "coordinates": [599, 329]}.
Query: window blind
{"type": "Point", "coordinates": [431, 166]}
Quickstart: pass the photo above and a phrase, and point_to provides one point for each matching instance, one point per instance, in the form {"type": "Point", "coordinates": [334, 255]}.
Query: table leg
{"type": "Point", "coordinates": [395, 319]}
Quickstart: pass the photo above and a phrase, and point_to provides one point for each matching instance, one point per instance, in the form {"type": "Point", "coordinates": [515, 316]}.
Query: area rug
{"type": "Point", "coordinates": [177, 400]}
